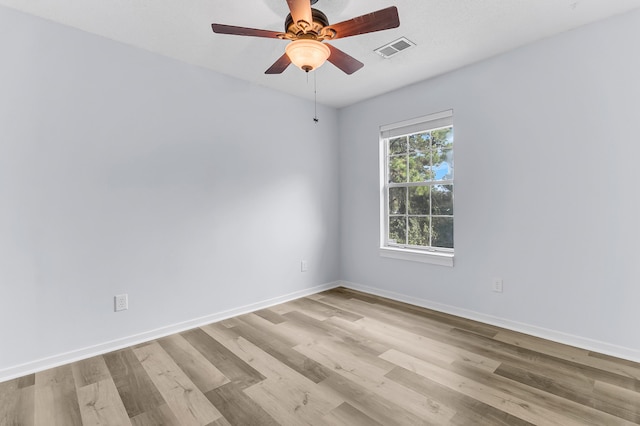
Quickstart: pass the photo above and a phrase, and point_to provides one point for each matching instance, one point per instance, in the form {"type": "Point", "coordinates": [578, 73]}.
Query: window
{"type": "Point", "coordinates": [417, 189]}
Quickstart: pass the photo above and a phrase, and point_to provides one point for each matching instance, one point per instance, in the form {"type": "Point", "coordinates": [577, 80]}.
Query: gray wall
{"type": "Point", "coordinates": [122, 171]}
{"type": "Point", "coordinates": [546, 192]}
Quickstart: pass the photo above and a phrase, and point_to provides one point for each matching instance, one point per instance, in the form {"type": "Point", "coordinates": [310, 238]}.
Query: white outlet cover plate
{"type": "Point", "coordinates": [121, 302]}
{"type": "Point", "coordinates": [497, 285]}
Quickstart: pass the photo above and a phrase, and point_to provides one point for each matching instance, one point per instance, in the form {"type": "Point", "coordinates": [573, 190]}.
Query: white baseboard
{"type": "Point", "coordinates": [102, 348]}
{"type": "Point", "coordinates": [544, 333]}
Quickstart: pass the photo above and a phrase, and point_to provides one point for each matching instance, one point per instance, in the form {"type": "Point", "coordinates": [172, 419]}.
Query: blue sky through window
{"type": "Point", "coordinates": [441, 170]}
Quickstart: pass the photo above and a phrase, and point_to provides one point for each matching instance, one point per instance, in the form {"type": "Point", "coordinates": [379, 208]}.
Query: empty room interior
{"type": "Point", "coordinates": [196, 228]}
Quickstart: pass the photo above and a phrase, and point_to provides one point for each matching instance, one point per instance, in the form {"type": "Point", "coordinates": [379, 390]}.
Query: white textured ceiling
{"type": "Point", "coordinates": [449, 34]}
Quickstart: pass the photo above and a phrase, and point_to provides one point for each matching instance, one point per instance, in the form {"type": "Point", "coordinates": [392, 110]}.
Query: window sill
{"type": "Point", "coordinates": [442, 259]}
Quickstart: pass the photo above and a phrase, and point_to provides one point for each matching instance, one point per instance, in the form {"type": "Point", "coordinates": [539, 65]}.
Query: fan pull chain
{"type": "Point", "coordinates": [315, 100]}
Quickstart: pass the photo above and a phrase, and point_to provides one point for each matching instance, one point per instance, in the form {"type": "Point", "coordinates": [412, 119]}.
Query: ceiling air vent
{"type": "Point", "coordinates": [396, 46]}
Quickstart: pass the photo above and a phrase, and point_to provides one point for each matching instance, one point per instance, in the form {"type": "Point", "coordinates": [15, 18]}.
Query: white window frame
{"type": "Point", "coordinates": [437, 256]}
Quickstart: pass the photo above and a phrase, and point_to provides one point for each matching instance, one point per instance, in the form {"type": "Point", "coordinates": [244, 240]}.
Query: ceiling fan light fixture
{"type": "Point", "coordinates": [307, 54]}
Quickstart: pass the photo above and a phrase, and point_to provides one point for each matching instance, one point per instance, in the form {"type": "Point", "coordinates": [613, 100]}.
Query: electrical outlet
{"type": "Point", "coordinates": [304, 266]}
{"type": "Point", "coordinates": [121, 302]}
{"type": "Point", "coordinates": [497, 285]}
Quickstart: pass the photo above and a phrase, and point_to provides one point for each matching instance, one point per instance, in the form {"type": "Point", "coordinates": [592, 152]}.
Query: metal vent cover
{"type": "Point", "coordinates": [395, 47]}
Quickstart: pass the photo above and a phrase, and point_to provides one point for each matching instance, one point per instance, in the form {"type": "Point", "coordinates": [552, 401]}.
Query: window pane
{"type": "Point", "coordinates": [397, 230]}
{"type": "Point", "coordinates": [419, 200]}
{"type": "Point", "coordinates": [398, 169]}
{"type": "Point", "coordinates": [443, 232]}
{"type": "Point", "coordinates": [442, 164]}
{"type": "Point", "coordinates": [442, 138]}
{"type": "Point", "coordinates": [397, 200]}
{"type": "Point", "coordinates": [398, 145]}
{"type": "Point", "coordinates": [420, 167]}
{"type": "Point", "coordinates": [418, 231]}
{"type": "Point", "coordinates": [442, 200]}
{"type": "Point", "coordinates": [420, 171]}
{"type": "Point", "coordinates": [420, 142]}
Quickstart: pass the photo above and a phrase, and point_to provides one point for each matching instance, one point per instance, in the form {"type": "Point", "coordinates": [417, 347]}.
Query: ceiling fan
{"type": "Point", "coordinates": [308, 28]}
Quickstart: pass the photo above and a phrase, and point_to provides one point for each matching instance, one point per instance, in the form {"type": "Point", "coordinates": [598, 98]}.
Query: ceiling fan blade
{"type": "Point", "coordinates": [280, 65]}
{"type": "Point", "coordinates": [346, 63]}
{"type": "Point", "coordinates": [230, 29]}
{"type": "Point", "coordinates": [382, 19]}
{"type": "Point", "coordinates": [300, 10]}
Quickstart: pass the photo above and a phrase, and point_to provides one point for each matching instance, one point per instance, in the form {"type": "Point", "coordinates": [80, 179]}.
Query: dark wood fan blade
{"type": "Point", "coordinates": [279, 66]}
{"type": "Point", "coordinates": [346, 63]}
{"type": "Point", "coordinates": [300, 10]}
{"type": "Point", "coordinates": [382, 19]}
{"type": "Point", "coordinates": [252, 32]}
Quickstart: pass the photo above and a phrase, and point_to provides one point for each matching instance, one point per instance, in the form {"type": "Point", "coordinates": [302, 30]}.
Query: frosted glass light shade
{"type": "Point", "coordinates": [307, 54]}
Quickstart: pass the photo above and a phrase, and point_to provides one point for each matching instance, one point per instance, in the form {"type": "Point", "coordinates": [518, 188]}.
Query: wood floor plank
{"type": "Point", "coordinates": [584, 414]}
{"type": "Point", "coordinates": [287, 403]}
{"type": "Point", "coordinates": [220, 422]}
{"type": "Point", "coordinates": [537, 362]}
{"type": "Point", "coordinates": [334, 328]}
{"type": "Point", "coordinates": [10, 386]}
{"type": "Point", "coordinates": [409, 320]}
{"type": "Point", "coordinates": [475, 327]}
{"type": "Point", "coordinates": [568, 353]}
{"type": "Point", "coordinates": [24, 410]}
{"type": "Point", "coordinates": [336, 356]}
{"type": "Point", "coordinates": [89, 371]}
{"type": "Point", "coordinates": [301, 324]}
{"type": "Point", "coordinates": [281, 309]}
{"type": "Point", "coordinates": [235, 369]}
{"type": "Point", "coordinates": [373, 379]}
{"type": "Point", "coordinates": [347, 415]}
{"type": "Point", "coordinates": [17, 403]}
{"type": "Point", "coordinates": [375, 406]}
{"type": "Point", "coordinates": [603, 396]}
{"type": "Point", "coordinates": [324, 331]}
{"type": "Point", "coordinates": [137, 391]}
{"type": "Point", "coordinates": [26, 381]}
{"type": "Point", "coordinates": [274, 330]}
{"type": "Point", "coordinates": [283, 353]}
{"type": "Point", "coordinates": [469, 411]}
{"type": "Point", "coordinates": [496, 398]}
{"type": "Point", "coordinates": [159, 416]}
{"type": "Point", "coordinates": [574, 390]}
{"type": "Point", "coordinates": [322, 311]}
{"type": "Point", "coordinates": [237, 407]}
{"type": "Point", "coordinates": [9, 397]}
{"type": "Point", "coordinates": [184, 398]}
{"type": "Point", "coordinates": [100, 405]}
{"type": "Point", "coordinates": [315, 296]}
{"type": "Point", "coordinates": [285, 394]}
{"type": "Point", "coordinates": [56, 399]}
{"type": "Point", "coordinates": [199, 370]}
{"type": "Point", "coordinates": [270, 316]}
{"type": "Point", "coordinates": [522, 402]}
{"type": "Point", "coordinates": [230, 322]}
{"type": "Point", "coordinates": [467, 418]}
{"type": "Point", "coordinates": [617, 401]}
{"type": "Point", "coordinates": [420, 345]}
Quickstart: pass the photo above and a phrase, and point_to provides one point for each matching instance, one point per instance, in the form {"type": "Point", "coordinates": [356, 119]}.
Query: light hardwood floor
{"type": "Point", "coordinates": [334, 358]}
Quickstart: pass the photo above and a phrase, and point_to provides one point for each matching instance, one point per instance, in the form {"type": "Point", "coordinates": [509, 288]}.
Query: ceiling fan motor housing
{"type": "Point", "coordinates": [315, 30]}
